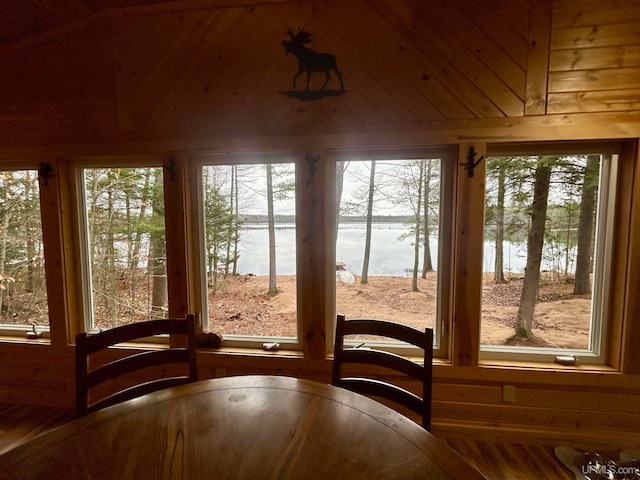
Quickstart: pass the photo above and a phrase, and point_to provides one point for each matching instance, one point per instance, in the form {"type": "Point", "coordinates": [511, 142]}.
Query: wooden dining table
{"type": "Point", "coordinates": [244, 427]}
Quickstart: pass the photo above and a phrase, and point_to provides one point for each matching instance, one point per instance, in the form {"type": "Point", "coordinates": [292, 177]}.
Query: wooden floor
{"type": "Point", "coordinates": [497, 461]}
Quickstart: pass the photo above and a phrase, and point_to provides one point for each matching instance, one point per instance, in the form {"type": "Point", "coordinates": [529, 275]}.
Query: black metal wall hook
{"type": "Point", "coordinates": [45, 172]}
{"type": "Point", "coordinates": [471, 162]}
{"type": "Point", "coordinates": [171, 168]}
{"type": "Point", "coordinates": [312, 161]}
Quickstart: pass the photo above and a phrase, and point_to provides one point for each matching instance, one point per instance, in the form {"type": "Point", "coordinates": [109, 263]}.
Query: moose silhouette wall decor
{"type": "Point", "coordinates": [310, 61]}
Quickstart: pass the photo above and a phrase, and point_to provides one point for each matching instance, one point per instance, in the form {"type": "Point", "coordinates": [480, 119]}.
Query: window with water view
{"type": "Point", "coordinates": [545, 252]}
{"type": "Point", "coordinates": [388, 240]}
{"type": "Point", "coordinates": [249, 242]}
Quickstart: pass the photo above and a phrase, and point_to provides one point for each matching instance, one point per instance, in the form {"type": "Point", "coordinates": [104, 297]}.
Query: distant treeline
{"type": "Point", "coordinates": [343, 219]}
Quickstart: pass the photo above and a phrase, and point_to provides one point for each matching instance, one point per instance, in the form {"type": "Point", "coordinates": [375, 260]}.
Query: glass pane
{"type": "Point", "coordinates": [540, 250]}
{"type": "Point", "coordinates": [250, 245]}
{"type": "Point", "coordinates": [126, 245]}
{"type": "Point", "coordinates": [23, 290]}
{"type": "Point", "coordinates": [388, 212]}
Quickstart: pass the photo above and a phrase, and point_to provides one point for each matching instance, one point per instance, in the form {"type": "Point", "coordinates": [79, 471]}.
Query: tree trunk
{"type": "Point", "coordinates": [230, 224]}
{"type": "Point", "coordinates": [234, 216]}
{"type": "Point", "coordinates": [340, 169]}
{"type": "Point", "coordinates": [416, 243]}
{"type": "Point", "coordinates": [364, 278]}
{"type": "Point", "coordinates": [4, 239]}
{"type": "Point", "coordinates": [427, 264]}
{"type": "Point", "coordinates": [535, 242]}
{"type": "Point", "coordinates": [157, 255]}
{"type": "Point", "coordinates": [582, 284]}
{"type": "Point", "coordinates": [273, 287]}
{"type": "Point", "coordinates": [498, 271]}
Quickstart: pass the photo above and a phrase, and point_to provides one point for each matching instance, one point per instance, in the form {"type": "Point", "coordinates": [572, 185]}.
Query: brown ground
{"type": "Point", "coordinates": [242, 306]}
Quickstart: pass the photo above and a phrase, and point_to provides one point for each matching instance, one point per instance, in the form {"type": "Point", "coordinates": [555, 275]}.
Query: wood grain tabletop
{"type": "Point", "coordinates": [245, 427]}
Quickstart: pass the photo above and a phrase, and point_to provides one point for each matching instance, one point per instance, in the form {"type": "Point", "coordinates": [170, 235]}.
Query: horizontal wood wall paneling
{"type": "Point", "coordinates": [559, 418]}
{"type": "Point", "coordinates": [537, 396]}
{"type": "Point", "coordinates": [599, 35]}
{"type": "Point", "coordinates": [594, 80]}
{"type": "Point", "coordinates": [621, 56]}
{"type": "Point", "coordinates": [571, 13]}
{"type": "Point", "coordinates": [611, 100]}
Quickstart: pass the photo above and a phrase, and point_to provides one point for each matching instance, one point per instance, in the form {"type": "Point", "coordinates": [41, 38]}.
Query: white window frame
{"type": "Point", "coordinates": [79, 166]}
{"type": "Point", "coordinates": [198, 162]}
{"type": "Point", "coordinates": [596, 353]}
{"type": "Point", "coordinates": [446, 247]}
{"type": "Point", "coordinates": [20, 330]}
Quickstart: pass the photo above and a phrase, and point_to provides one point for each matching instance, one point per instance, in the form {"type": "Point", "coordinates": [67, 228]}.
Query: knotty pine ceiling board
{"type": "Point", "coordinates": [478, 58]}
{"type": "Point", "coordinates": [25, 19]}
{"type": "Point", "coordinates": [51, 88]}
{"type": "Point", "coordinates": [502, 25]}
{"type": "Point", "coordinates": [241, 78]}
{"type": "Point", "coordinates": [458, 74]}
{"type": "Point", "coordinates": [370, 57]}
{"type": "Point", "coordinates": [260, 72]}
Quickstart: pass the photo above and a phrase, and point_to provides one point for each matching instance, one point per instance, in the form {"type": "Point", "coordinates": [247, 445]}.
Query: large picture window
{"type": "Point", "coordinates": [23, 289]}
{"type": "Point", "coordinates": [390, 240]}
{"type": "Point", "coordinates": [546, 254]}
{"type": "Point", "coordinates": [249, 248]}
{"type": "Point", "coordinates": [124, 237]}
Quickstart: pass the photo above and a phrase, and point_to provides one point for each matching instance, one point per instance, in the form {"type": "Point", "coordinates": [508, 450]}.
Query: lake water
{"type": "Point", "coordinates": [391, 254]}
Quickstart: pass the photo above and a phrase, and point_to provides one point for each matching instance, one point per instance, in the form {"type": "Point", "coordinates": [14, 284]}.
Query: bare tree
{"type": "Point", "coordinates": [364, 278]}
{"type": "Point", "coordinates": [416, 247]}
{"type": "Point", "coordinates": [427, 264]}
{"type": "Point", "coordinates": [524, 319]}
{"type": "Point", "coordinates": [273, 288]}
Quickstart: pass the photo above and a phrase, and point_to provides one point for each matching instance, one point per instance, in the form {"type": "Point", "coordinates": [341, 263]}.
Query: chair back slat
{"type": "Point", "coordinates": [370, 355]}
{"type": "Point", "coordinates": [89, 345]}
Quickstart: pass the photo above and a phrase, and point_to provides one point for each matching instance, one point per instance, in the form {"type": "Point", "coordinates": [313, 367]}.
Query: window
{"type": "Point", "coordinates": [23, 292]}
{"type": "Point", "coordinates": [391, 252]}
{"type": "Point", "coordinates": [248, 238]}
{"type": "Point", "coordinates": [548, 221]}
{"type": "Point", "coordinates": [122, 212]}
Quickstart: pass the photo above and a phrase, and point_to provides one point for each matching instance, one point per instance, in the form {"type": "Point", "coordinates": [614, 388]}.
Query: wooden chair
{"type": "Point", "coordinates": [87, 345]}
{"type": "Point", "coordinates": [372, 356]}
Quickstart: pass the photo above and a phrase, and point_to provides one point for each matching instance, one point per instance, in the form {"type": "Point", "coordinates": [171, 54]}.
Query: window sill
{"type": "Point", "coordinates": [546, 366]}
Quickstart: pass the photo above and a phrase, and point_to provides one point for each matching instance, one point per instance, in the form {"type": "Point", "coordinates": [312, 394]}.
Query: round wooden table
{"type": "Point", "coordinates": [246, 427]}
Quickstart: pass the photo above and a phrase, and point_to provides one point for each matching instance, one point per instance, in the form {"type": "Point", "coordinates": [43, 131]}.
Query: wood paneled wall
{"type": "Point", "coordinates": [195, 75]}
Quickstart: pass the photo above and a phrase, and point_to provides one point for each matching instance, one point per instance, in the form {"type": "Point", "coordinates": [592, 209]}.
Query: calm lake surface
{"type": "Point", "coordinates": [391, 253]}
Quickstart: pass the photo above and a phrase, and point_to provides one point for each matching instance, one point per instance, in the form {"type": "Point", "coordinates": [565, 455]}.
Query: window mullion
{"type": "Point", "coordinates": [468, 235]}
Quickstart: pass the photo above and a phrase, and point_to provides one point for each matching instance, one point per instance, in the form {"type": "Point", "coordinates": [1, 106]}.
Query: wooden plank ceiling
{"type": "Point", "coordinates": [172, 69]}
{"type": "Point", "coordinates": [24, 19]}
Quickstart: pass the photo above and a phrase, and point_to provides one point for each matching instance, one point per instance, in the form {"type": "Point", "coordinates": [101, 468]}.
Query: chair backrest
{"type": "Point", "coordinates": [88, 377]}
{"type": "Point", "coordinates": [372, 356]}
